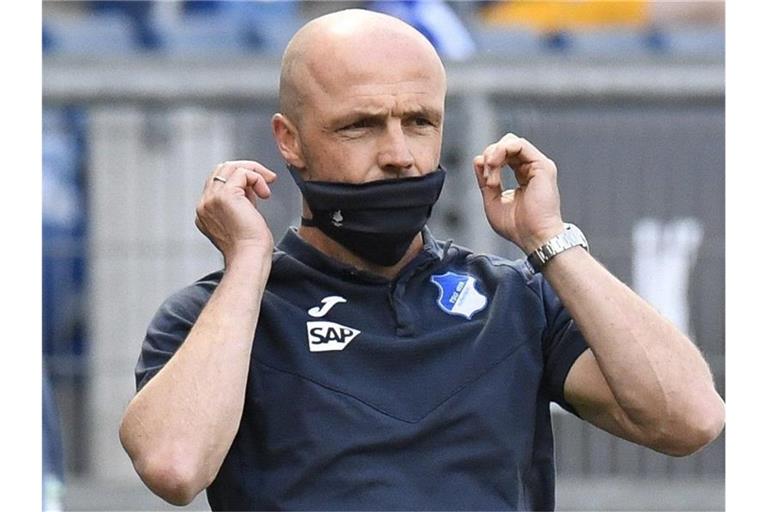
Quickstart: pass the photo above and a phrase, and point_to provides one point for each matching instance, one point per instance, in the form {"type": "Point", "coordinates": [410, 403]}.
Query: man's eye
{"type": "Point", "coordinates": [363, 123]}
{"type": "Point", "coordinates": [422, 121]}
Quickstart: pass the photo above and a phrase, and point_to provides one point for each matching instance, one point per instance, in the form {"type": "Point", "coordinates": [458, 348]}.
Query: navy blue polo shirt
{"type": "Point", "coordinates": [430, 391]}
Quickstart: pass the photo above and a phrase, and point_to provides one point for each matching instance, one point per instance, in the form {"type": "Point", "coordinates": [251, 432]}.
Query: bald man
{"type": "Point", "coordinates": [362, 364]}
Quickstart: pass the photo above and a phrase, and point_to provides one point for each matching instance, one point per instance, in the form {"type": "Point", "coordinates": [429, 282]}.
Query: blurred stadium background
{"type": "Point", "coordinates": [142, 99]}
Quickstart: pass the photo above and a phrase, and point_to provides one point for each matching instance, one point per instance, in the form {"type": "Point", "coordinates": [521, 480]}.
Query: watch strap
{"type": "Point", "coordinates": [570, 237]}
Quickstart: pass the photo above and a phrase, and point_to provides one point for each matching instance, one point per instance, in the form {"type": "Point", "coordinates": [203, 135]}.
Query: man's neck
{"type": "Point", "coordinates": [323, 243]}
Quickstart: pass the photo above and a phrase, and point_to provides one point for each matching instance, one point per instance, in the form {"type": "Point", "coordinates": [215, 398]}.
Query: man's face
{"type": "Point", "coordinates": [371, 112]}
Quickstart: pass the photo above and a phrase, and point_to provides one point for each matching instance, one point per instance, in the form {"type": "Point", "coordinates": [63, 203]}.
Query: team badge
{"type": "Point", "coordinates": [458, 294]}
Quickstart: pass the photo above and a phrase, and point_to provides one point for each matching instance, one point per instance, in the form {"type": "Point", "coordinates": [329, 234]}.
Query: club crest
{"type": "Point", "coordinates": [458, 294]}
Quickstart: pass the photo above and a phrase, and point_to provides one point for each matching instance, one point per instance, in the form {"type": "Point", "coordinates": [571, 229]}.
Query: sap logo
{"type": "Point", "coordinates": [327, 336]}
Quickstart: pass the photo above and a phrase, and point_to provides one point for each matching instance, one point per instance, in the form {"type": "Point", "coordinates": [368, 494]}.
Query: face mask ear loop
{"type": "Point", "coordinates": [300, 183]}
{"type": "Point", "coordinates": [296, 177]}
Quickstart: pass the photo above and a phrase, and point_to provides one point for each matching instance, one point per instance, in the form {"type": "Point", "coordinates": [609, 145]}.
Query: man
{"type": "Point", "coordinates": [361, 363]}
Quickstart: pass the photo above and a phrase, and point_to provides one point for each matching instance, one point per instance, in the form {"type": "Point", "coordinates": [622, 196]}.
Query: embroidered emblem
{"type": "Point", "coordinates": [458, 294]}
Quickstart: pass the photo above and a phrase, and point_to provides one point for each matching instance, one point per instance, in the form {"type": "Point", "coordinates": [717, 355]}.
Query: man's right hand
{"type": "Point", "coordinates": [227, 214]}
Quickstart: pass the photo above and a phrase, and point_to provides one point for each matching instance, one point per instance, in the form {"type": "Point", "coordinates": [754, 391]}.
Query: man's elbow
{"type": "Point", "coordinates": [175, 483]}
{"type": "Point", "coordinates": [693, 432]}
{"type": "Point", "coordinates": [171, 477]}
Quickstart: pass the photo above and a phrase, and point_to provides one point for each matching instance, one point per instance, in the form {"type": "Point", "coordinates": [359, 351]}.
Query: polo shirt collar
{"type": "Point", "coordinates": [295, 246]}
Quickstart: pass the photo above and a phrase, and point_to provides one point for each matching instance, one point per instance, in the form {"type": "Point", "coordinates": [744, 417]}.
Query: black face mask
{"type": "Point", "coordinates": [376, 220]}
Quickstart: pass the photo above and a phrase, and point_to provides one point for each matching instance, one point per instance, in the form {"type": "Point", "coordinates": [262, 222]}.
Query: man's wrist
{"type": "Point", "coordinates": [571, 236]}
{"type": "Point", "coordinates": [535, 241]}
{"type": "Point", "coordinates": [248, 256]}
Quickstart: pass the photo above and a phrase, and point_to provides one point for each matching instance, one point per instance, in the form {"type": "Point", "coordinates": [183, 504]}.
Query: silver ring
{"type": "Point", "coordinates": [219, 178]}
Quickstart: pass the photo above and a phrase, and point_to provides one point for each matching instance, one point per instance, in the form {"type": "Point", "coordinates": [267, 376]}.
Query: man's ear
{"type": "Point", "coordinates": [287, 138]}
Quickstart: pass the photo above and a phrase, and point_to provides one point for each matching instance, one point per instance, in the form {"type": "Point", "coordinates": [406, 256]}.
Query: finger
{"type": "Point", "coordinates": [269, 176]}
{"type": "Point", "coordinates": [522, 156]}
{"type": "Point", "coordinates": [251, 195]}
{"type": "Point", "coordinates": [218, 178]}
{"type": "Point", "coordinates": [258, 184]}
{"type": "Point", "coordinates": [493, 162]}
{"type": "Point", "coordinates": [214, 172]}
{"type": "Point", "coordinates": [261, 188]}
{"type": "Point", "coordinates": [479, 165]}
{"type": "Point", "coordinates": [490, 193]}
{"type": "Point", "coordinates": [495, 155]}
{"type": "Point", "coordinates": [519, 150]}
{"type": "Point", "coordinates": [248, 179]}
{"type": "Point", "coordinates": [527, 160]}
{"type": "Point", "coordinates": [225, 170]}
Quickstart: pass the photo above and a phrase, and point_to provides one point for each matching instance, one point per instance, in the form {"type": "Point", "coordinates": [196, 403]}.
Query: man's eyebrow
{"type": "Point", "coordinates": [375, 113]}
{"type": "Point", "coordinates": [360, 113]}
{"type": "Point", "coordinates": [429, 112]}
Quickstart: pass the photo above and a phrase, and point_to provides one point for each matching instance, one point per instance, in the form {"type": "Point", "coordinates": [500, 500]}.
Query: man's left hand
{"type": "Point", "coordinates": [528, 215]}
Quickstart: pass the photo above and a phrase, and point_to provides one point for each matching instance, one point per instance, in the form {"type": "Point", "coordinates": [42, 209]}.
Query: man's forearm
{"type": "Point", "coordinates": [657, 376]}
{"type": "Point", "coordinates": [179, 427]}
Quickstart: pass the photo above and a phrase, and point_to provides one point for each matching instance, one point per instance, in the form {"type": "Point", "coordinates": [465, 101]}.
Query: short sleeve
{"type": "Point", "coordinates": [562, 342]}
{"type": "Point", "coordinates": [168, 329]}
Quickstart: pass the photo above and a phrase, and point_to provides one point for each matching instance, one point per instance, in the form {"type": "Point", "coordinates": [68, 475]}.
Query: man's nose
{"type": "Point", "coordinates": [394, 152]}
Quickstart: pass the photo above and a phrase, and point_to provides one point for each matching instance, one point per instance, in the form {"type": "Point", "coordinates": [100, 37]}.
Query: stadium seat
{"type": "Point", "coordinates": [605, 42]}
{"type": "Point", "coordinates": [507, 42]}
{"type": "Point", "coordinates": [694, 41]}
{"type": "Point", "coordinates": [106, 34]}
{"type": "Point", "coordinates": [202, 34]}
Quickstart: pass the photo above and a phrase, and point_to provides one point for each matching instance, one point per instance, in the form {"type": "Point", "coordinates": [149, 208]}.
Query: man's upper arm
{"type": "Point", "coordinates": [168, 330]}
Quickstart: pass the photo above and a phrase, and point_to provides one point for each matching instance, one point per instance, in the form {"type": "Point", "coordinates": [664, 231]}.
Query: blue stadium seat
{"type": "Point", "coordinates": [202, 28]}
{"type": "Point", "coordinates": [694, 41]}
{"type": "Point", "coordinates": [106, 34]}
{"type": "Point", "coordinates": [268, 25]}
{"type": "Point", "coordinates": [232, 27]}
{"type": "Point", "coordinates": [203, 33]}
{"type": "Point", "coordinates": [613, 42]}
{"type": "Point", "coordinates": [507, 42]}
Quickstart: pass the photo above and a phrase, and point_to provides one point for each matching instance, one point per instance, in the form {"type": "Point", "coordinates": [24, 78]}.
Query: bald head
{"type": "Point", "coordinates": [349, 45]}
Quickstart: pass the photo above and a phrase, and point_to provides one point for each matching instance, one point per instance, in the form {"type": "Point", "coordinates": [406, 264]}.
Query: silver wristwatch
{"type": "Point", "coordinates": [571, 237]}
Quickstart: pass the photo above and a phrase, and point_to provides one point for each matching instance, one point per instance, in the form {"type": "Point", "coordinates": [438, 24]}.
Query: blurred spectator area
{"type": "Point", "coordinates": [168, 27]}
{"type": "Point", "coordinates": [603, 27]}
{"type": "Point", "coordinates": [497, 28]}
{"type": "Point", "coordinates": [64, 265]}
